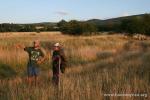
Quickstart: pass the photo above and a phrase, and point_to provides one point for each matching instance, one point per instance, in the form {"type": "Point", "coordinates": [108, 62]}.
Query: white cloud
{"type": "Point", "coordinates": [62, 13]}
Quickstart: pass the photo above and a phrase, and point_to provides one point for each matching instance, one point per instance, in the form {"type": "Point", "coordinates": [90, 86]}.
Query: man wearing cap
{"type": "Point", "coordinates": [58, 62]}
{"type": "Point", "coordinates": [36, 57]}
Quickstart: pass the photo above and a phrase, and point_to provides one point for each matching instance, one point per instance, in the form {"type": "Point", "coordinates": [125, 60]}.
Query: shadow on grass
{"type": "Point", "coordinates": [6, 71]}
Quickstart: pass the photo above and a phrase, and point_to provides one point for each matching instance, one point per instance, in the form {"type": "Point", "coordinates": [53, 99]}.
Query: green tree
{"type": "Point", "coordinates": [74, 27]}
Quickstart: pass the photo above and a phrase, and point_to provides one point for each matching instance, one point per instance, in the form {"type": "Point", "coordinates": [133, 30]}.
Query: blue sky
{"type": "Point", "coordinates": [32, 11]}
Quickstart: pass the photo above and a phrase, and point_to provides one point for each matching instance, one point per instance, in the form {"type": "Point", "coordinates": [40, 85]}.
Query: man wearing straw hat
{"type": "Point", "coordinates": [58, 62]}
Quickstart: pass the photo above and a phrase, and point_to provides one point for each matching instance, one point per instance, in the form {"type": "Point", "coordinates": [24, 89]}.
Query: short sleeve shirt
{"type": "Point", "coordinates": [34, 55]}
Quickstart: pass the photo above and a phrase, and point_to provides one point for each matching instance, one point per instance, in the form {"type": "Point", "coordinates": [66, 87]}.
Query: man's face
{"type": "Point", "coordinates": [56, 48]}
{"type": "Point", "coordinates": [36, 44]}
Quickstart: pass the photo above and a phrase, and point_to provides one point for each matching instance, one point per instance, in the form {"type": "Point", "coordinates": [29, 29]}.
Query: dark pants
{"type": "Point", "coordinates": [56, 74]}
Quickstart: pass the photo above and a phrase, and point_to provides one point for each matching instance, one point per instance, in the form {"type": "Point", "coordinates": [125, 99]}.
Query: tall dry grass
{"type": "Point", "coordinates": [97, 65]}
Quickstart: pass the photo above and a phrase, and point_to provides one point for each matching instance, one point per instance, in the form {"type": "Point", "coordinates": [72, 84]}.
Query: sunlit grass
{"type": "Point", "coordinates": [97, 65]}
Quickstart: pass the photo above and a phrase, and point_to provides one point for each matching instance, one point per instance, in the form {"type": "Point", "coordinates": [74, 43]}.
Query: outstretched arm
{"type": "Point", "coordinates": [20, 46]}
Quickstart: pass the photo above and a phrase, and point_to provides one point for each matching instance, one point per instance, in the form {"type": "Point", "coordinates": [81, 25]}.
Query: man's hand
{"type": "Point", "coordinates": [41, 60]}
{"type": "Point", "coordinates": [19, 46]}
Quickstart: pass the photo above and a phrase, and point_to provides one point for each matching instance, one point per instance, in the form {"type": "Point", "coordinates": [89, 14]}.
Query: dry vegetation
{"type": "Point", "coordinates": [97, 65]}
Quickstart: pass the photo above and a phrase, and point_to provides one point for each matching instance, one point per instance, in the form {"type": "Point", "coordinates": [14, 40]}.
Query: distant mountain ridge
{"type": "Point", "coordinates": [113, 24]}
{"type": "Point", "coordinates": [95, 21]}
{"type": "Point", "coordinates": [99, 21]}
{"type": "Point", "coordinates": [113, 20]}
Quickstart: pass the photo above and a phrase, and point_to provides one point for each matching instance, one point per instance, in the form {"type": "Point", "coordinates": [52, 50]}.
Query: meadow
{"type": "Point", "coordinates": [98, 66]}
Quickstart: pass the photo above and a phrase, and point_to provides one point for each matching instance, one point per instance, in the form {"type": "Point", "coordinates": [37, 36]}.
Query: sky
{"type": "Point", "coordinates": [34, 11]}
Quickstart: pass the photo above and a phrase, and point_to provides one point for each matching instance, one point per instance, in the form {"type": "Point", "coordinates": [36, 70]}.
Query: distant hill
{"type": "Point", "coordinates": [95, 21]}
{"type": "Point", "coordinates": [101, 25]}
{"type": "Point", "coordinates": [113, 20]}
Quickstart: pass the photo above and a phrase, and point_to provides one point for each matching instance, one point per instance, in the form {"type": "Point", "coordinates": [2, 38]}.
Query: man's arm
{"type": "Point", "coordinates": [42, 56]}
{"type": "Point", "coordinates": [63, 56]}
{"type": "Point", "coordinates": [22, 46]}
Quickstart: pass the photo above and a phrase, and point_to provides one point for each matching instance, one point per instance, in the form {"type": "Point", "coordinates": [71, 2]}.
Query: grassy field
{"type": "Point", "coordinates": [97, 67]}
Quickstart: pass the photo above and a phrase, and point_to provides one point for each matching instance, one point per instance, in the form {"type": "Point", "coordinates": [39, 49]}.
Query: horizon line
{"type": "Point", "coordinates": [72, 19]}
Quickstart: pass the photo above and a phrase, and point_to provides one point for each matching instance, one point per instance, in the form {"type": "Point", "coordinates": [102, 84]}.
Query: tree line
{"type": "Point", "coordinates": [6, 27]}
{"type": "Point", "coordinates": [137, 24]}
{"type": "Point", "coordinates": [75, 27]}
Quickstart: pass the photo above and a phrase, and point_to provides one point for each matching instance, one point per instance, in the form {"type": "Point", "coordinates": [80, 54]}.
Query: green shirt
{"type": "Point", "coordinates": [34, 55]}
